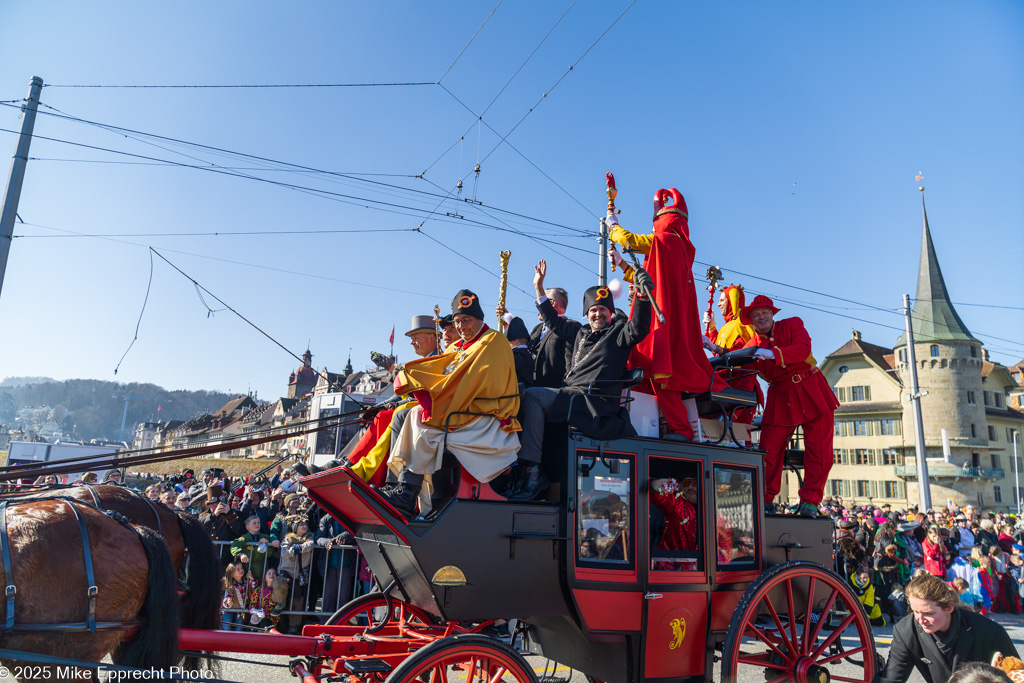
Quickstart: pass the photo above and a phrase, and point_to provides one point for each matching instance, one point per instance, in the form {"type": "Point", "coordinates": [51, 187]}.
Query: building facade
{"type": "Point", "coordinates": [971, 411]}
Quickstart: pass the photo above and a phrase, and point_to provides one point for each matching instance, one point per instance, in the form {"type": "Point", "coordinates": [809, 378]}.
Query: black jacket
{"type": "Point", "coordinates": [978, 639]}
{"type": "Point", "coordinates": [524, 367]}
{"type": "Point", "coordinates": [553, 354]}
{"type": "Point", "coordinates": [596, 356]}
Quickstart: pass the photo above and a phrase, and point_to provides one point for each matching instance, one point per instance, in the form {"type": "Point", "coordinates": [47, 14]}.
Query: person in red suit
{"type": "Point", "coordinates": [672, 355]}
{"type": "Point", "coordinates": [798, 395]}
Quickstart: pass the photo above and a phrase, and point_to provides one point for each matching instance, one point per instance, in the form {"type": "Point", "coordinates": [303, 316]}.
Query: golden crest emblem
{"type": "Point", "coordinates": [678, 633]}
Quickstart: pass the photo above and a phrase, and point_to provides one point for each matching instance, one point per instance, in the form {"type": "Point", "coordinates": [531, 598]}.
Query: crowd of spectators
{"type": "Point", "coordinates": [879, 549]}
{"type": "Point", "coordinates": [281, 552]}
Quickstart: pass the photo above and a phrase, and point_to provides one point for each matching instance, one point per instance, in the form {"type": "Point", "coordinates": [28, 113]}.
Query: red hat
{"type": "Point", "coordinates": [760, 301]}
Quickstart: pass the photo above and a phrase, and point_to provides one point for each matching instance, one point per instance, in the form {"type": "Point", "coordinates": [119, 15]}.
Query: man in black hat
{"type": "Point", "coordinates": [600, 352]}
{"type": "Point", "coordinates": [468, 399]}
{"type": "Point", "coordinates": [449, 335]}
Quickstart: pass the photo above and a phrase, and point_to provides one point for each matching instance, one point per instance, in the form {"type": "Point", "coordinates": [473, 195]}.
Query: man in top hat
{"type": "Point", "coordinates": [734, 335]}
{"type": "Point", "coordinates": [476, 375]}
{"type": "Point", "coordinates": [672, 355]}
{"type": "Point", "coordinates": [422, 336]}
{"type": "Point", "coordinates": [798, 395]}
{"type": "Point", "coordinates": [599, 353]}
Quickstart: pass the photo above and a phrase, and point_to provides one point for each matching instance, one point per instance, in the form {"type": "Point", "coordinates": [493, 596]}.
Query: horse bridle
{"type": "Point", "coordinates": [10, 589]}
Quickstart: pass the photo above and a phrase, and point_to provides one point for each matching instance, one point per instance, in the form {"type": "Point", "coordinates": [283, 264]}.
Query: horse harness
{"type": "Point", "coordinates": [96, 502]}
{"type": "Point", "coordinates": [10, 589]}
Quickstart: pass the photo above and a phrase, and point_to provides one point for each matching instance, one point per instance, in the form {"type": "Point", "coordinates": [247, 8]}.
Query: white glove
{"type": "Point", "coordinates": [707, 319]}
{"type": "Point", "coordinates": [616, 258]}
{"type": "Point", "coordinates": [764, 354]}
{"type": "Point", "coordinates": [611, 219]}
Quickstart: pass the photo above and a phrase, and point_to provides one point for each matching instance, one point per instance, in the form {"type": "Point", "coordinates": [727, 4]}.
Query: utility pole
{"type": "Point", "coordinates": [128, 399]}
{"type": "Point", "coordinates": [915, 398]}
{"type": "Point", "coordinates": [14, 181]}
{"type": "Point", "coordinates": [602, 263]}
{"type": "Point", "coordinates": [1016, 470]}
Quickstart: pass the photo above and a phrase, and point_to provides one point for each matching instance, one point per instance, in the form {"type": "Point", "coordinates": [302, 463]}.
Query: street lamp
{"type": "Point", "coordinates": [1016, 470]}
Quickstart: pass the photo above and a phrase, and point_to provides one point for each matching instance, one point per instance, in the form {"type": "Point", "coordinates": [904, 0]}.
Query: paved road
{"type": "Point", "coordinates": [250, 672]}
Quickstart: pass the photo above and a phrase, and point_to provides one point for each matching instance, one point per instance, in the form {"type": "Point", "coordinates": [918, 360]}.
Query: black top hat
{"type": "Point", "coordinates": [467, 303]}
{"type": "Point", "coordinates": [598, 295]}
{"type": "Point", "coordinates": [517, 330]}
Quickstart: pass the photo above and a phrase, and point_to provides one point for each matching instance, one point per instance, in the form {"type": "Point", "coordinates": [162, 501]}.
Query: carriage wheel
{"type": "Point", "coordinates": [779, 632]}
{"type": "Point", "coordinates": [367, 610]}
{"type": "Point", "coordinates": [464, 659]}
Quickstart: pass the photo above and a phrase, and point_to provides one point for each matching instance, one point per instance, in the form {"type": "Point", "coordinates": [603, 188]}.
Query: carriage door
{"type": "Point", "coordinates": [604, 581]}
{"type": "Point", "coordinates": [675, 597]}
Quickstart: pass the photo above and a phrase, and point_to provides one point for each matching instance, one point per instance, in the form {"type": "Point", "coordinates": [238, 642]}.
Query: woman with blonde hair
{"type": "Point", "coordinates": [938, 636]}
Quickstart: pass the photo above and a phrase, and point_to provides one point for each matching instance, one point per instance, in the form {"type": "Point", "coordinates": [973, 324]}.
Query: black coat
{"type": "Point", "coordinates": [597, 356]}
{"type": "Point", "coordinates": [978, 639]}
{"type": "Point", "coordinates": [553, 355]}
{"type": "Point", "coordinates": [524, 367]}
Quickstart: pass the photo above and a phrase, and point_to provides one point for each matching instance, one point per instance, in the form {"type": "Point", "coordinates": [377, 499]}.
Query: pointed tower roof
{"type": "Point", "coordinates": [934, 317]}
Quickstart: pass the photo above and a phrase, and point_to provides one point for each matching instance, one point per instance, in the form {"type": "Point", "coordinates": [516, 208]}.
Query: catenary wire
{"type": "Point", "coordinates": [472, 38]}
{"type": "Point", "coordinates": [293, 166]}
{"type": "Point", "coordinates": [249, 85]}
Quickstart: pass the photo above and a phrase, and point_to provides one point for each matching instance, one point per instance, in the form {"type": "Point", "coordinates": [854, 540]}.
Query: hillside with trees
{"type": "Point", "coordinates": [86, 408]}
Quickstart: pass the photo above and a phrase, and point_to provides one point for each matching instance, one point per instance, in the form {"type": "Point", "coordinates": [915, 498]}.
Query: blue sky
{"type": "Point", "coordinates": [794, 130]}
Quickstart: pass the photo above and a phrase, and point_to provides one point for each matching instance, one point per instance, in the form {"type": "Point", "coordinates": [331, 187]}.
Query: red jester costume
{"type": "Point", "coordinates": [734, 335]}
{"type": "Point", "coordinates": [672, 355]}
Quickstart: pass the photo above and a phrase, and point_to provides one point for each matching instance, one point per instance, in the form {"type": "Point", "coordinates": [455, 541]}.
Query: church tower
{"type": "Point", "coordinates": [949, 368]}
{"type": "Point", "coordinates": [303, 380]}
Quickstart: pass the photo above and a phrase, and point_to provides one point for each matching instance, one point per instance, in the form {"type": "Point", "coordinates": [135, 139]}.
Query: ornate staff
{"type": "Point", "coordinates": [503, 285]}
{"type": "Point", "coordinates": [647, 291]}
{"type": "Point", "coordinates": [612, 193]}
{"type": "Point", "coordinates": [437, 326]}
{"type": "Point", "coordinates": [713, 275]}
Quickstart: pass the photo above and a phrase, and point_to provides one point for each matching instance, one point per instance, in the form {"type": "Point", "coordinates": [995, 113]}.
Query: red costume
{"type": "Point", "coordinates": [672, 355]}
{"type": "Point", "coordinates": [680, 531]}
{"type": "Point", "coordinates": [798, 395]}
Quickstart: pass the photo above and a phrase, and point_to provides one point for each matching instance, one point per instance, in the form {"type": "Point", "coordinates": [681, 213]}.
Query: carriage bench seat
{"type": "Point", "coordinates": [723, 403]}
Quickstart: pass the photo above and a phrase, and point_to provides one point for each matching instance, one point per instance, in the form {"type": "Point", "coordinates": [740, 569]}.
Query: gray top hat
{"type": "Point", "coordinates": [420, 323]}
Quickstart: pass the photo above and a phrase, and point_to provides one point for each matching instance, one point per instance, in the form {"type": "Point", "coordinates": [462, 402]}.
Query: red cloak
{"type": "Point", "coordinates": [673, 353]}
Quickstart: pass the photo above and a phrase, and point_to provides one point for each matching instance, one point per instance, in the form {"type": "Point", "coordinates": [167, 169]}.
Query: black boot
{"type": "Point", "coordinates": [532, 483]}
{"type": "Point", "coordinates": [405, 493]}
{"type": "Point", "coordinates": [304, 471]}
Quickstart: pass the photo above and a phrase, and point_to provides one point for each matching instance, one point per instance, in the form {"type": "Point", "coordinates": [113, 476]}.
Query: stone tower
{"type": "Point", "coordinates": [949, 368]}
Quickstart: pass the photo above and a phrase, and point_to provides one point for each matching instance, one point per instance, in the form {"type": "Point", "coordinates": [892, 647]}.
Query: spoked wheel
{"type": "Point", "coordinates": [367, 610]}
{"type": "Point", "coordinates": [465, 659]}
{"type": "Point", "coordinates": [790, 626]}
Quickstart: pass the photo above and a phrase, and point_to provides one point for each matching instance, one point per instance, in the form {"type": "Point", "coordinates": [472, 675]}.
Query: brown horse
{"type": "Point", "coordinates": [135, 609]}
{"type": "Point", "coordinates": [192, 551]}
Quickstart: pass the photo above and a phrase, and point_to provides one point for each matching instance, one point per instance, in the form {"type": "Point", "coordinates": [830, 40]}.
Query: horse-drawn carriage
{"type": "Point", "coordinates": [584, 576]}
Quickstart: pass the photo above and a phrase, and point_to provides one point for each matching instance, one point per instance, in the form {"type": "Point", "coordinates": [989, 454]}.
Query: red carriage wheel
{"type": "Point", "coordinates": [368, 609]}
{"type": "Point", "coordinates": [790, 626]}
{"type": "Point", "coordinates": [466, 659]}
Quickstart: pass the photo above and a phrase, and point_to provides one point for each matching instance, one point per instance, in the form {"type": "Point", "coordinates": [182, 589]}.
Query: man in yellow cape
{"type": "Point", "coordinates": [475, 375]}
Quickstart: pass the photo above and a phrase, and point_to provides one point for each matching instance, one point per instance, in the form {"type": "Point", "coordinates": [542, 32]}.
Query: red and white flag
{"type": "Point", "coordinates": [392, 340]}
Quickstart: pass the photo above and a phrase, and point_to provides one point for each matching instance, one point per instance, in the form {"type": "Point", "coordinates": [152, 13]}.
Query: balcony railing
{"type": "Point", "coordinates": [951, 471]}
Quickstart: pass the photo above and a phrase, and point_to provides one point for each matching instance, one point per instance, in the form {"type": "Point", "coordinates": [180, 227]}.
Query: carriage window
{"type": "Point", "coordinates": [605, 511]}
{"type": "Point", "coordinates": [734, 518]}
{"type": "Point", "coordinates": [675, 503]}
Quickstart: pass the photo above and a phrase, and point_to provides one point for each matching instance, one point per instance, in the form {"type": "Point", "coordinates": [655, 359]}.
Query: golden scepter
{"type": "Point", "coordinates": [612, 193]}
{"type": "Point", "coordinates": [437, 327]}
{"type": "Point", "coordinates": [503, 286]}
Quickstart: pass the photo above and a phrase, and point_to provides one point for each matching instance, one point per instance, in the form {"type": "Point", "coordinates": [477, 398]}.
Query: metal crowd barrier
{"type": "Point", "coordinates": [309, 599]}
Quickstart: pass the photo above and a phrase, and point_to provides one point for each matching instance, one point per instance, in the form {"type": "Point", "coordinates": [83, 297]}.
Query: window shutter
{"type": "Point", "coordinates": [842, 394]}
{"type": "Point", "coordinates": [867, 393]}
{"type": "Point", "coordinates": [897, 427]}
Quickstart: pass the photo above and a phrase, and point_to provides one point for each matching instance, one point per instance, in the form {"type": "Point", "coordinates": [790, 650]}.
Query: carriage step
{"type": "Point", "coordinates": [367, 666]}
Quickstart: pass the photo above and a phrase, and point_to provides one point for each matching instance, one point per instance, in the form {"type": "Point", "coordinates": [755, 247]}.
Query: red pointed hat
{"type": "Point", "coordinates": [760, 301]}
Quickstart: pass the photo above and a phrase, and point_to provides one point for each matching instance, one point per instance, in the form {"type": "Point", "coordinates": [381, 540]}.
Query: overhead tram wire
{"type": "Point", "coordinates": [344, 198]}
{"type": "Point", "coordinates": [251, 85]}
{"type": "Point", "coordinates": [472, 38]}
{"type": "Point", "coordinates": [504, 138]}
{"type": "Point", "coordinates": [288, 165]}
